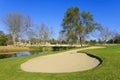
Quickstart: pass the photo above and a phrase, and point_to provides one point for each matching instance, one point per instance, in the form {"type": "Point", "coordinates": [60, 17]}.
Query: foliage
{"type": "Point", "coordinates": [70, 20]}
{"type": "Point", "coordinates": [92, 42]}
{"type": "Point", "coordinates": [3, 40]}
{"type": "Point", "coordinates": [53, 41]}
{"type": "Point", "coordinates": [77, 25]}
{"type": "Point", "coordinates": [115, 39]}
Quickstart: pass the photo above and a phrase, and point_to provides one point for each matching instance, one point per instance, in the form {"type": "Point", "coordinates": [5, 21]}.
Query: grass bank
{"type": "Point", "coordinates": [108, 70]}
{"type": "Point", "coordinates": [15, 49]}
{"type": "Point", "coordinates": [12, 49]}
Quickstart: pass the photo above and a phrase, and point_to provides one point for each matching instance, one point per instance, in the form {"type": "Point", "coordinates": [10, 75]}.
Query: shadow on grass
{"type": "Point", "coordinates": [96, 57]}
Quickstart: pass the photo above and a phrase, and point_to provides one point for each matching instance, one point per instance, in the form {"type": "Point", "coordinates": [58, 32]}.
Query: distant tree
{"type": "Point", "coordinates": [3, 39]}
{"type": "Point", "coordinates": [26, 28]}
{"type": "Point", "coordinates": [43, 33]}
{"type": "Point", "coordinates": [105, 34]}
{"type": "Point", "coordinates": [33, 41]}
{"type": "Point", "coordinates": [92, 42]}
{"type": "Point", "coordinates": [53, 41]}
{"type": "Point", "coordinates": [113, 35]}
{"type": "Point", "coordinates": [51, 33]}
{"type": "Point", "coordinates": [1, 32]}
{"type": "Point", "coordinates": [31, 35]}
{"type": "Point", "coordinates": [18, 25]}
{"type": "Point", "coordinates": [61, 36]}
{"type": "Point", "coordinates": [9, 39]}
{"type": "Point", "coordinates": [100, 41]}
{"type": "Point", "coordinates": [117, 39]}
{"type": "Point", "coordinates": [13, 21]}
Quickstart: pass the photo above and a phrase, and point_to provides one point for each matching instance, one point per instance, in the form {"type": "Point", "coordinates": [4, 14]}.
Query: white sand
{"type": "Point", "coordinates": [69, 61]}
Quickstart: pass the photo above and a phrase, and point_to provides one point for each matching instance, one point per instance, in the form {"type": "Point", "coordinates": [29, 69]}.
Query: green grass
{"type": "Point", "coordinates": [108, 70]}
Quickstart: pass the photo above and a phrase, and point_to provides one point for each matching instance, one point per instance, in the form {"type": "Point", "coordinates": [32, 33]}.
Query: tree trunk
{"type": "Point", "coordinates": [113, 41]}
{"type": "Point", "coordinates": [13, 38]}
{"type": "Point", "coordinates": [81, 41]}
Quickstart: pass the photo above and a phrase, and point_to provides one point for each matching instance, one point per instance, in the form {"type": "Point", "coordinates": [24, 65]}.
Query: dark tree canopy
{"type": "Point", "coordinates": [3, 39]}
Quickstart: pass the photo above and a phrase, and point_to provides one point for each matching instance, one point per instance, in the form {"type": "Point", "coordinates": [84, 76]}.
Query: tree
{"type": "Point", "coordinates": [69, 24]}
{"type": "Point", "coordinates": [78, 25]}
{"type": "Point", "coordinates": [105, 34]}
{"type": "Point", "coordinates": [3, 39]}
{"type": "Point", "coordinates": [18, 25]}
{"type": "Point", "coordinates": [9, 39]}
{"type": "Point", "coordinates": [1, 32]}
{"type": "Point", "coordinates": [51, 33]}
{"type": "Point", "coordinates": [53, 41]}
{"type": "Point", "coordinates": [117, 38]}
{"type": "Point", "coordinates": [26, 27]}
{"type": "Point", "coordinates": [31, 35]}
{"type": "Point", "coordinates": [13, 21]}
{"type": "Point", "coordinates": [86, 25]}
{"type": "Point", "coordinates": [61, 36]}
{"type": "Point", "coordinates": [113, 35]}
{"type": "Point", "coordinates": [43, 33]}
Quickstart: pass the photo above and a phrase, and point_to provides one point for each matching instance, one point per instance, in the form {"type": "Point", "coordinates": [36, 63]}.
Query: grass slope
{"type": "Point", "coordinates": [109, 70]}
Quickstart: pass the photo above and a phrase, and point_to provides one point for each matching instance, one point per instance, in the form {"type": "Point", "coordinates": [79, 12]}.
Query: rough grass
{"type": "Point", "coordinates": [108, 70]}
{"type": "Point", "coordinates": [12, 49]}
{"type": "Point", "coordinates": [15, 49]}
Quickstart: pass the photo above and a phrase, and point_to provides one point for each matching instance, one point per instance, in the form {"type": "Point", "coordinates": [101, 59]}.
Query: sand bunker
{"type": "Point", "coordinates": [69, 61]}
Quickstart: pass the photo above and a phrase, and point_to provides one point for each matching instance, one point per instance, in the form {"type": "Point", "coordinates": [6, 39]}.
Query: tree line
{"type": "Point", "coordinates": [76, 27]}
{"type": "Point", "coordinates": [22, 29]}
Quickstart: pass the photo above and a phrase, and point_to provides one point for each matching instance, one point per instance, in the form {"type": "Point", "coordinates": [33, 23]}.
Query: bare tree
{"type": "Point", "coordinates": [113, 35]}
{"type": "Point", "coordinates": [62, 36]}
{"type": "Point", "coordinates": [18, 25]}
{"type": "Point", "coordinates": [105, 34]}
{"type": "Point", "coordinates": [13, 21]}
{"type": "Point", "coordinates": [43, 33]}
{"type": "Point", "coordinates": [51, 33]}
{"type": "Point", "coordinates": [25, 28]}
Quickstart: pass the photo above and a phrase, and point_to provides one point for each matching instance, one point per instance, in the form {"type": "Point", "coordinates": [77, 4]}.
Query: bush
{"type": "Point", "coordinates": [3, 40]}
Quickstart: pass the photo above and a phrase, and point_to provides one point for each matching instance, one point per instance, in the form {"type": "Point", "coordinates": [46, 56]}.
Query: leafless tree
{"type": "Point", "coordinates": [43, 33]}
{"type": "Point", "coordinates": [13, 21]}
{"type": "Point", "coordinates": [105, 34]}
{"type": "Point", "coordinates": [25, 28]}
{"type": "Point", "coordinates": [51, 33]}
{"type": "Point", "coordinates": [113, 35]}
{"type": "Point", "coordinates": [62, 36]}
{"type": "Point", "coordinates": [18, 25]}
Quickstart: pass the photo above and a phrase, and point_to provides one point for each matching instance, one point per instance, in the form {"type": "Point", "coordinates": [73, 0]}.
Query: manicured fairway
{"type": "Point", "coordinates": [108, 70]}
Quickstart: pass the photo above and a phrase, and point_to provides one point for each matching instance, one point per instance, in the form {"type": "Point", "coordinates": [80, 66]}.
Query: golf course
{"type": "Point", "coordinates": [109, 69]}
{"type": "Point", "coordinates": [59, 39]}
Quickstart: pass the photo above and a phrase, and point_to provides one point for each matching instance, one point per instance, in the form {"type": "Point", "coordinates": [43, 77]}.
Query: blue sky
{"type": "Point", "coordinates": [51, 12]}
